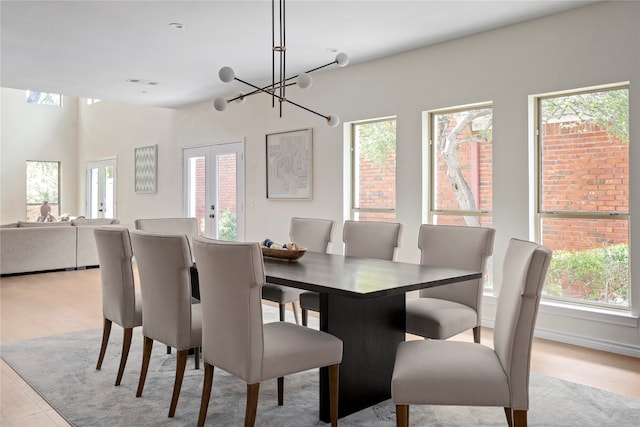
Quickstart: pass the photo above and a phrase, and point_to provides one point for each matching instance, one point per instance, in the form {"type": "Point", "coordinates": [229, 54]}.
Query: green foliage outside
{"type": "Point", "coordinates": [607, 109]}
{"type": "Point", "coordinates": [598, 275]}
{"type": "Point", "coordinates": [42, 182]}
{"type": "Point", "coordinates": [228, 225]}
{"type": "Point", "coordinates": [377, 141]}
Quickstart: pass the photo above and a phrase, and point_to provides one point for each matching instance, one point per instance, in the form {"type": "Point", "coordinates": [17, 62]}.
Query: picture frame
{"type": "Point", "coordinates": [146, 169]}
{"type": "Point", "coordinates": [289, 161]}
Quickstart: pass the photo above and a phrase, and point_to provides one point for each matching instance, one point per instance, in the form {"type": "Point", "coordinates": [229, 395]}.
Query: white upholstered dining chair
{"type": "Point", "coordinates": [445, 372]}
{"type": "Point", "coordinates": [234, 337]}
{"type": "Point", "coordinates": [313, 234]}
{"type": "Point", "coordinates": [120, 302]}
{"type": "Point", "coordinates": [168, 314]}
{"type": "Point", "coordinates": [362, 239]}
{"type": "Point", "coordinates": [444, 311]}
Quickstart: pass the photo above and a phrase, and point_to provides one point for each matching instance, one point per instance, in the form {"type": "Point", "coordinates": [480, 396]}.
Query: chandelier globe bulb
{"type": "Point", "coordinates": [226, 74]}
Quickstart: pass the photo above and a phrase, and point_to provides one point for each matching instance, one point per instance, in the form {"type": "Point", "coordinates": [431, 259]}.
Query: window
{"type": "Point", "coordinates": [373, 170]}
{"type": "Point", "coordinates": [461, 156]}
{"type": "Point", "coordinates": [44, 98]}
{"type": "Point", "coordinates": [43, 184]}
{"type": "Point", "coordinates": [462, 169]}
{"type": "Point", "coordinates": [583, 195]}
{"type": "Point", "coordinates": [92, 101]}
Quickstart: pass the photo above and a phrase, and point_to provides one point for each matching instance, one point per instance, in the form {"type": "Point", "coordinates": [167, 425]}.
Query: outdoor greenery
{"type": "Point", "coordinates": [596, 275]}
{"type": "Point", "coordinates": [42, 182]}
{"type": "Point", "coordinates": [607, 109]}
{"type": "Point", "coordinates": [377, 141]}
{"type": "Point", "coordinates": [228, 225]}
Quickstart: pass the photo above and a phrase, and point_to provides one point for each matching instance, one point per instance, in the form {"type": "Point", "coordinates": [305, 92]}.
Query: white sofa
{"type": "Point", "coordinates": [27, 247]}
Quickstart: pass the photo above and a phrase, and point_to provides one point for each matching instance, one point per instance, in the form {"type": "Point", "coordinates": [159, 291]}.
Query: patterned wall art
{"type": "Point", "coordinates": [146, 169]}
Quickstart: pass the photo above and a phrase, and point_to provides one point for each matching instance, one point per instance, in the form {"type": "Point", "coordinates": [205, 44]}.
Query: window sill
{"type": "Point", "coordinates": [602, 315]}
{"type": "Point", "coordinates": [594, 314]}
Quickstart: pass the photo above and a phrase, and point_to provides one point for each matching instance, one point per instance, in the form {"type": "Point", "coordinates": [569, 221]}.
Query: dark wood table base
{"type": "Point", "coordinates": [373, 327]}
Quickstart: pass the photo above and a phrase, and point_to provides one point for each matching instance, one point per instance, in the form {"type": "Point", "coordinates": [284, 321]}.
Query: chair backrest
{"type": "Point", "coordinates": [369, 239]}
{"type": "Point", "coordinates": [231, 279]}
{"type": "Point", "coordinates": [523, 275]}
{"type": "Point", "coordinates": [116, 272]}
{"type": "Point", "coordinates": [164, 262]}
{"type": "Point", "coordinates": [311, 233]}
{"type": "Point", "coordinates": [186, 226]}
{"type": "Point", "coordinates": [456, 247]}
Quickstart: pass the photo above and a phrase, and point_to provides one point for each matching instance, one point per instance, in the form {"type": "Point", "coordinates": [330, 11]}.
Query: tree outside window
{"type": "Point", "coordinates": [44, 98]}
{"type": "Point", "coordinates": [583, 195]}
{"type": "Point", "coordinates": [43, 184]}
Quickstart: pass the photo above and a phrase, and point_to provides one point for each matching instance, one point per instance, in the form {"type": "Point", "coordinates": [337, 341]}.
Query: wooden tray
{"type": "Point", "coordinates": [283, 254]}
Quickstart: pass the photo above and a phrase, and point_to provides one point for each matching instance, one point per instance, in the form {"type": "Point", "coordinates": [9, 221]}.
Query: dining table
{"type": "Point", "coordinates": [362, 302]}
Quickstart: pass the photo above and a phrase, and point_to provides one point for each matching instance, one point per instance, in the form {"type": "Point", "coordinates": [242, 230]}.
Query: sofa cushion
{"type": "Point", "coordinates": [94, 221]}
{"type": "Point", "coordinates": [43, 224]}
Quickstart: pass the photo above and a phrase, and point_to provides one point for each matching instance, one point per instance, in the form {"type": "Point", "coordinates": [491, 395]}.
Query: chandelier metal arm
{"type": "Point", "coordinates": [278, 97]}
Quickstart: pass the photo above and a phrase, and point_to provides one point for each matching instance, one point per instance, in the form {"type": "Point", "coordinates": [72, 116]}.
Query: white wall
{"type": "Point", "coordinates": [594, 45]}
{"type": "Point", "coordinates": [36, 132]}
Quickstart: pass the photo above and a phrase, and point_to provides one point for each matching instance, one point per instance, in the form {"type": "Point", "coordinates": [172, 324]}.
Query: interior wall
{"type": "Point", "coordinates": [35, 132]}
{"type": "Point", "coordinates": [589, 46]}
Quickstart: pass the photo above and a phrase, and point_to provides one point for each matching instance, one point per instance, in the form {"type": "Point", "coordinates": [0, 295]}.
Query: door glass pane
{"type": "Point", "coordinates": [108, 209]}
{"type": "Point", "coordinates": [93, 192]}
{"type": "Point", "coordinates": [196, 204]}
{"type": "Point", "coordinates": [227, 197]}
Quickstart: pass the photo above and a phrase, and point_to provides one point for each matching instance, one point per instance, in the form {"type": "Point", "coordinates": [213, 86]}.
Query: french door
{"type": "Point", "coordinates": [101, 186]}
{"type": "Point", "coordinates": [214, 189]}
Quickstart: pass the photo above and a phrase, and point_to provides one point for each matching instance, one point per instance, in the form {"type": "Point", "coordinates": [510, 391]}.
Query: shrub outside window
{"type": "Point", "coordinates": [44, 98]}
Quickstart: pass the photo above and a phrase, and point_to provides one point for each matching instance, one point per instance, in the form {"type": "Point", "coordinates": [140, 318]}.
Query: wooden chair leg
{"type": "Point", "coordinates": [280, 391]}
{"type": "Point", "coordinates": [196, 355]}
{"type": "Point", "coordinates": [509, 413]}
{"type": "Point", "coordinates": [281, 309]}
{"type": "Point", "coordinates": [294, 306]}
{"type": "Point", "coordinates": [126, 345]}
{"type": "Point", "coordinates": [206, 393]}
{"type": "Point", "coordinates": [253, 390]}
{"type": "Point", "coordinates": [476, 334]}
{"type": "Point", "coordinates": [181, 364]}
{"type": "Point", "coordinates": [168, 350]}
{"type": "Point", "coordinates": [305, 317]}
{"type": "Point", "coordinates": [334, 371]}
{"type": "Point", "coordinates": [146, 356]}
{"type": "Point", "coordinates": [106, 331]}
{"type": "Point", "coordinates": [519, 418]}
{"type": "Point", "coordinates": [402, 415]}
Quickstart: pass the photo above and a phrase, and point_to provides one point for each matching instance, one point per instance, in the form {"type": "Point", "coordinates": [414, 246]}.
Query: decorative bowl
{"type": "Point", "coordinates": [289, 255]}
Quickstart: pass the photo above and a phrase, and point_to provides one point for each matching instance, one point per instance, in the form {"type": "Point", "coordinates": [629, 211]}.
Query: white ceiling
{"type": "Point", "coordinates": [91, 48]}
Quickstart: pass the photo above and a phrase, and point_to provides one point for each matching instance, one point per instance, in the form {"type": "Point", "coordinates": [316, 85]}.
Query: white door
{"type": "Point", "coordinates": [101, 186]}
{"type": "Point", "coordinates": [214, 189]}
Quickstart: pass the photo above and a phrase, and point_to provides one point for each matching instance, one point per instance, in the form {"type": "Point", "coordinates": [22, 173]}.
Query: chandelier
{"type": "Point", "coordinates": [277, 88]}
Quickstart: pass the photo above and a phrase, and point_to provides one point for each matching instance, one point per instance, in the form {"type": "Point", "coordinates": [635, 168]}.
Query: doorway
{"type": "Point", "coordinates": [101, 186]}
{"type": "Point", "coordinates": [214, 189]}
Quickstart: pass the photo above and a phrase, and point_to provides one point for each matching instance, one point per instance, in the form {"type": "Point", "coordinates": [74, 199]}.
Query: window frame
{"type": "Point", "coordinates": [353, 210]}
{"type": "Point", "coordinates": [59, 189]}
{"type": "Point", "coordinates": [540, 214]}
{"type": "Point", "coordinates": [433, 160]}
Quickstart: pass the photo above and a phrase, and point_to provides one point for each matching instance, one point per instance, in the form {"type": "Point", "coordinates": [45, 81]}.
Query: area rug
{"type": "Point", "coordinates": [62, 370]}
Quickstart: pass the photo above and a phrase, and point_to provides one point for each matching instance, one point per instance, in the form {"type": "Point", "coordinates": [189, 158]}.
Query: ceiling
{"type": "Point", "coordinates": [93, 48]}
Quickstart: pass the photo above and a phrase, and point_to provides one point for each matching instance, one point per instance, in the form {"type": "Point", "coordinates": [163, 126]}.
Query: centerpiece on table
{"type": "Point", "coordinates": [283, 251]}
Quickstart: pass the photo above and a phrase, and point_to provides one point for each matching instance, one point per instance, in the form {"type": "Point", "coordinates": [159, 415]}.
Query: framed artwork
{"type": "Point", "coordinates": [146, 169]}
{"type": "Point", "coordinates": [289, 164]}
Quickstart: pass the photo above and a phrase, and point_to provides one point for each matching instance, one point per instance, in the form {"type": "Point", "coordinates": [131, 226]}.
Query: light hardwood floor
{"type": "Point", "coordinates": [38, 305]}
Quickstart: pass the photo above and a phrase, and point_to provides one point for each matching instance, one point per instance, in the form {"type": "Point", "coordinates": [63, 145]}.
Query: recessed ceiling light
{"type": "Point", "coordinates": [177, 25]}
